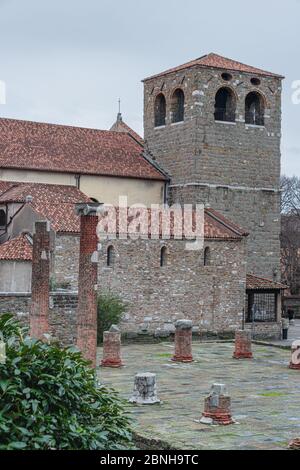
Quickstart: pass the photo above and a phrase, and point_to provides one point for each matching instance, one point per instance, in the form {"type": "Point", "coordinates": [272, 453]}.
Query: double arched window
{"type": "Point", "coordinates": [225, 105]}
{"type": "Point", "coordinates": [160, 109]}
{"type": "Point", "coordinates": [177, 106]}
{"type": "Point", "coordinates": [255, 109]}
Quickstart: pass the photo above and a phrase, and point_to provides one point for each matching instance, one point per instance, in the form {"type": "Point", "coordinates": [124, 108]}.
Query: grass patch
{"type": "Point", "coordinates": [164, 355]}
{"type": "Point", "coordinates": [272, 394]}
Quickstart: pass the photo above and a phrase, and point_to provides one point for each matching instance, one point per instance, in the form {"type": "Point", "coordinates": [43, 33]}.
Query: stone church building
{"type": "Point", "coordinates": [212, 133]}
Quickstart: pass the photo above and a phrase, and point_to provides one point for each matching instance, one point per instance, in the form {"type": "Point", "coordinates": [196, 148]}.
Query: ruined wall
{"type": "Point", "coordinates": [211, 296]}
{"type": "Point", "coordinates": [62, 312]}
{"type": "Point", "coordinates": [235, 167]}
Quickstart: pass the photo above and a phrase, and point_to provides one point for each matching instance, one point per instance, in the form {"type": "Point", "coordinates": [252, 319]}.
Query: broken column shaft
{"type": "Point", "coordinates": [145, 392]}
{"type": "Point", "coordinates": [217, 407]}
{"type": "Point", "coordinates": [183, 341]}
{"type": "Point", "coordinates": [295, 361]}
{"type": "Point", "coordinates": [112, 348]}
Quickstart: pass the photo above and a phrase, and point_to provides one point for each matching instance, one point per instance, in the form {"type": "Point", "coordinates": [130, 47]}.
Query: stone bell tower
{"type": "Point", "coordinates": [214, 125]}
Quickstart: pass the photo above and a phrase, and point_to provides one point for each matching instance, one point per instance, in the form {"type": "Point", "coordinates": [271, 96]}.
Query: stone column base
{"type": "Point", "coordinates": [294, 366]}
{"type": "Point", "coordinates": [112, 364]}
{"type": "Point", "coordinates": [182, 359]}
{"type": "Point", "coordinates": [217, 418]}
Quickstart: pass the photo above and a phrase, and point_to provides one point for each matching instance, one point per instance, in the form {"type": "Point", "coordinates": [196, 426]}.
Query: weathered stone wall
{"type": "Point", "coordinates": [263, 331]}
{"type": "Point", "coordinates": [62, 312]}
{"type": "Point", "coordinates": [256, 211]}
{"type": "Point", "coordinates": [66, 261]}
{"type": "Point", "coordinates": [221, 163]}
{"type": "Point", "coordinates": [211, 296]}
{"type": "Point", "coordinates": [16, 304]}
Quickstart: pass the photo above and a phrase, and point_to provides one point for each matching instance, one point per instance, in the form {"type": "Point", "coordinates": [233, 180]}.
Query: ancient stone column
{"type": "Point", "coordinates": [243, 345]}
{"type": "Point", "coordinates": [294, 444]}
{"type": "Point", "coordinates": [295, 362]}
{"type": "Point", "coordinates": [40, 281]}
{"type": "Point", "coordinates": [112, 348]}
{"type": "Point", "coordinates": [183, 341]}
{"type": "Point", "coordinates": [217, 407]}
{"type": "Point", "coordinates": [144, 392]}
{"type": "Point", "coordinates": [87, 282]}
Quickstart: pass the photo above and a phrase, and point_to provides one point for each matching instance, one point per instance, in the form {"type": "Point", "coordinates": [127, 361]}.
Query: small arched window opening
{"type": "Point", "coordinates": [255, 81]}
{"type": "Point", "coordinates": [160, 110]}
{"type": "Point", "coordinates": [110, 256]}
{"type": "Point", "coordinates": [207, 259]}
{"type": "Point", "coordinates": [226, 77]}
{"type": "Point", "coordinates": [225, 105]}
{"type": "Point", "coordinates": [177, 106]}
{"type": "Point", "coordinates": [254, 109]}
{"type": "Point", "coordinates": [163, 257]}
{"type": "Point", "coordinates": [2, 218]}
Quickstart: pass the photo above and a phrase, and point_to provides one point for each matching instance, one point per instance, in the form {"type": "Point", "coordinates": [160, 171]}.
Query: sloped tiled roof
{"type": "Point", "coordinates": [260, 283]}
{"type": "Point", "coordinates": [53, 202]}
{"type": "Point", "coordinates": [41, 192]}
{"type": "Point", "coordinates": [216, 61]}
{"type": "Point", "coordinates": [77, 150]}
{"type": "Point", "coordinates": [216, 227]}
{"type": "Point", "coordinates": [17, 249]}
{"type": "Point", "coordinates": [121, 126]}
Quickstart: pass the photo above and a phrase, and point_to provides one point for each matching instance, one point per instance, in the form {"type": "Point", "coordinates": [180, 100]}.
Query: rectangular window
{"type": "Point", "coordinates": [261, 307]}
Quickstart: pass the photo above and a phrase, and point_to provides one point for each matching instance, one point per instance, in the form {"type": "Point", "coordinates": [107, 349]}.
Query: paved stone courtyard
{"type": "Point", "coordinates": [265, 396]}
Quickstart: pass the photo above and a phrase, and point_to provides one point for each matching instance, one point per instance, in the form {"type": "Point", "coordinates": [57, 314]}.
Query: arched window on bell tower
{"type": "Point", "coordinates": [254, 109]}
{"type": "Point", "coordinates": [177, 106]}
{"type": "Point", "coordinates": [225, 105]}
{"type": "Point", "coordinates": [160, 109]}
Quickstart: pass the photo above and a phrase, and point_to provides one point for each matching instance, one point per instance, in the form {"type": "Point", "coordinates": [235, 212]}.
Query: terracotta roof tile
{"type": "Point", "coordinates": [260, 283]}
{"type": "Point", "coordinates": [56, 203]}
{"type": "Point", "coordinates": [121, 126]}
{"type": "Point", "coordinates": [17, 249]}
{"type": "Point", "coordinates": [216, 226]}
{"type": "Point", "coordinates": [216, 61]}
{"type": "Point", "coordinates": [58, 148]}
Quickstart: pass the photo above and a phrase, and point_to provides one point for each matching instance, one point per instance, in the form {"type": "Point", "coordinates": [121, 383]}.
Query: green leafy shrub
{"type": "Point", "coordinates": [110, 312]}
{"type": "Point", "coordinates": [49, 398]}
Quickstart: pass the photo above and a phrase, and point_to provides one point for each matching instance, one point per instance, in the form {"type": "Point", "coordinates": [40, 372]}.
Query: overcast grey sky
{"type": "Point", "coordinates": [68, 61]}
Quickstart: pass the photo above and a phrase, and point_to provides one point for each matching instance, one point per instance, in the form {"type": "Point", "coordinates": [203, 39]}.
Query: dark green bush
{"type": "Point", "coordinates": [49, 398]}
{"type": "Point", "coordinates": [110, 312]}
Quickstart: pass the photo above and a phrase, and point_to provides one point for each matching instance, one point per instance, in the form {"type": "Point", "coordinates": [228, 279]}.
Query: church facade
{"type": "Point", "coordinates": [212, 133]}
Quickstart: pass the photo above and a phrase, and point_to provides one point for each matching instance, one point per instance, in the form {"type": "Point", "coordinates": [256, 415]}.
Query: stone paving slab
{"type": "Point", "coordinates": [265, 396]}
